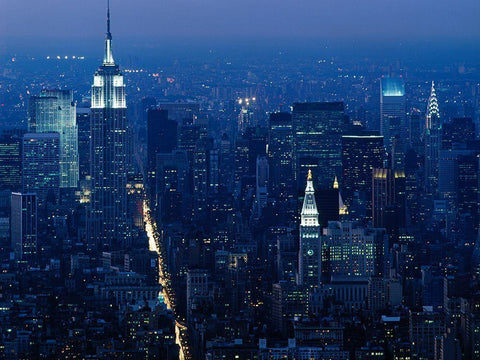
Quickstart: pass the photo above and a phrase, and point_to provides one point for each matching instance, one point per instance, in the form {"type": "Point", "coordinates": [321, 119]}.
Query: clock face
{"type": "Point", "coordinates": [310, 252]}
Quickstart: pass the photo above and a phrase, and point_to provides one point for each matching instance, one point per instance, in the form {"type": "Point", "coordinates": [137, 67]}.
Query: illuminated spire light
{"type": "Point", "coordinates": [433, 112]}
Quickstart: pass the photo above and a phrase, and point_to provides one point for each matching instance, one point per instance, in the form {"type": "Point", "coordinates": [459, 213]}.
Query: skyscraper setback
{"type": "Point", "coordinates": [392, 112]}
{"type": "Point", "coordinates": [54, 111]}
{"type": "Point", "coordinates": [107, 223]}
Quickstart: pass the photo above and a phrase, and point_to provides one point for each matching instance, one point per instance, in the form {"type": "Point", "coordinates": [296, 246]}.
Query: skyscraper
{"type": "Point", "coordinates": [360, 155]}
{"type": "Point", "coordinates": [309, 256]}
{"type": "Point", "coordinates": [41, 166]}
{"type": "Point", "coordinates": [433, 129]}
{"type": "Point", "coordinates": [280, 153]}
{"type": "Point", "coordinates": [11, 162]}
{"type": "Point", "coordinates": [24, 226]}
{"type": "Point", "coordinates": [161, 138]}
{"type": "Point", "coordinates": [317, 131]}
{"type": "Point", "coordinates": [392, 111]}
{"type": "Point", "coordinates": [83, 124]}
{"type": "Point", "coordinates": [262, 179]}
{"type": "Point", "coordinates": [54, 111]}
{"type": "Point", "coordinates": [388, 200]}
{"type": "Point", "coordinates": [107, 223]}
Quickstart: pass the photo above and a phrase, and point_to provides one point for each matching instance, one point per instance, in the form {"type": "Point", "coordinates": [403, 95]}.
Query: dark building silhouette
{"type": "Point", "coordinates": [24, 227]}
{"type": "Point", "coordinates": [83, 126]}
{"type": "Point", "coordinates": [317, 131]}
{"type": "Point", "coordinates": [360, 155]}
{"type": "Point", "coordinates": [388, 200]}
{"type": "Point", "coordinates": [280, 155]}
{"type": "Point", "coordinates": [468, 195]}
{"type": "Point", "coordinates": [459, 130]}
{"type": "Point", "coordinates": [161, 139]}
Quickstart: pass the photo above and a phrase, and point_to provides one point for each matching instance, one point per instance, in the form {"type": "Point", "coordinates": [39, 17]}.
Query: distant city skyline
{"type": "Point", "coordinates": [148, 19]}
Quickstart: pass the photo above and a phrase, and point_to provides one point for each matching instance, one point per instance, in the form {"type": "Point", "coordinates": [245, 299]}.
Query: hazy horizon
{"type": "Point", "coordinates": [330, 19]}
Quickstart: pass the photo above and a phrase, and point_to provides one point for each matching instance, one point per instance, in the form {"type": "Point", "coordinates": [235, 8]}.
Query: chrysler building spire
{"type": "Point", "coordinates": [433, 113]}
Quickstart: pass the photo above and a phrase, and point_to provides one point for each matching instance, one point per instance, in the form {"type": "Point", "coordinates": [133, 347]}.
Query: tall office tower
{"type": "Point", "coordinates": [257, 145]}
{"type": "Point", "coordinates": [172, 185]}
{"type": "Point", "coordinates": [433, 128]}
{"type": "Point", "coordinates": [287, 256]}
{"type": "Point", "coordinates": [354, 251]}
{"type": "Point", "coordinates": [317, 131]}
{"type": "Point", "coordinates": [161, 139]}
{"type": "Point", "coordinates": [41, 166]}
{"type": "Point", "coordinates": [200, 171]}
{"type": "Point", "coordinates": [468, 195]}
{"type": "Point", "coordinates": [23, 222]}
{"type": "Point", "coordinates": [360, 155]}
{"type": "Point", "coordinates": [213, 171]}
{"type": "Point", "coordinates": [108, 226]}
{"type": "Point", "coordinates": [83, 125]}
{"type": "Point", "coordinates": [188, 137]}
{"type": "Point", "coordinates": [280, 155]}
{"type": "Point", "coordinates": [262, 180]}
{"type": "Point", "coordinates": [246, 110]}
{"type": "Point", "coordinates": [328, 205]}
{"type": "Point", "coordinates": [54, 111]}
{"type": "Point", "coordinates": [457, 131]}
{"type": "Point", "coordinates": [241, 160]}
{"type": "Point", "coordinates": [309, 254]}
{"type": "Point", "coordinates": [11, 163]}
{"type": "Point", "coordinates": [388, 200]}
{"type": "Point", "coordinates": [392, 112]}
{"type": "Point", "coordinates": [417, 129]}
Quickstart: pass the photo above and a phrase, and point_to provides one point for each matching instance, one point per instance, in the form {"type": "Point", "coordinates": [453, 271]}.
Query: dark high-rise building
{"type": "Point", "coordinates": [388, 200]}
{"type": "Point", "coordinates": [468, 197]}
{"type": "Point", "coordinates": [280, 155]}
{"type": "Point", "coordinates": [108, 225]}
{"type": "Point", "coordinates": [41, 166]}
{"type": "Point", "coordinates": [328, 205]}
{"type": "Point", "coordinates": [11, 162]}
{"type": "Point", "coordinates": [172, 185]}
{"type": "Point", "coordinates": [188, 137]}
{"type": "Point", "coordinates": [23, 222]}
{"type": "Point", "coordinates": [200, 172]}
{"type": "Point", "coordinates": [459, 130]}
{"type": "Point", "coordinates": [360, 155]}
{"type": "Point", "coordinates": [317, 131]}
{"type": "Point", "coordinates": [392, 111]}
{"type": "Point", "coordinates": [83, 125]}
{"type": "Point", "coordinates": [161, 138]}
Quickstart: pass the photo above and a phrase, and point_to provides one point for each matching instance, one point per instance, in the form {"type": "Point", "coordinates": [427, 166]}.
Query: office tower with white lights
{"type": "Point", "coordinates": [55, 111]}
{"type": "Point", "coordinates": [108, 226]}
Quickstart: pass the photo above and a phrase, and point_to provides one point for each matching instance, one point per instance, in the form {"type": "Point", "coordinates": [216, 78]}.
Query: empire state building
{"type": "Point", "coordinates": [107, 224]}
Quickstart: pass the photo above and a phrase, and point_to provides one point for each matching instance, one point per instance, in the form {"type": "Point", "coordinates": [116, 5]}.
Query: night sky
{"type": "Point", "coordinates": [367, 19]}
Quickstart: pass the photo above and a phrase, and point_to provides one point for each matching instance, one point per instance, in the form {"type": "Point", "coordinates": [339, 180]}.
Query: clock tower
{"type": "Point", "coordinates": [309, 272]}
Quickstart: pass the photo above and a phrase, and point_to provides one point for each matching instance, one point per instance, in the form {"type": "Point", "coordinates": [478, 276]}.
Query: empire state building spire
{"type": "Point", "coordinates": [108, 57]}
